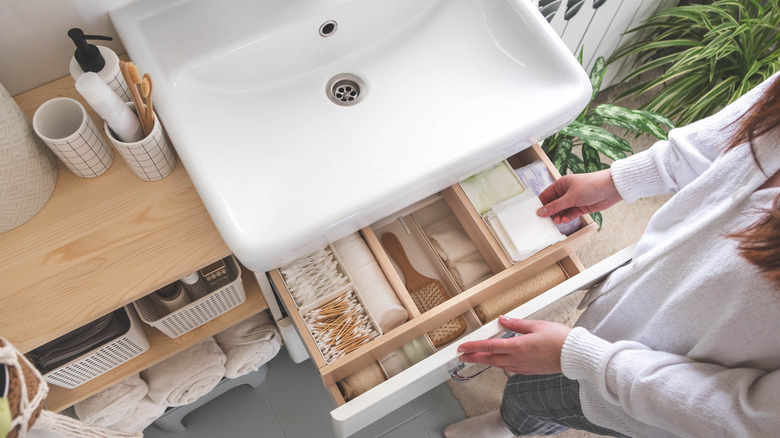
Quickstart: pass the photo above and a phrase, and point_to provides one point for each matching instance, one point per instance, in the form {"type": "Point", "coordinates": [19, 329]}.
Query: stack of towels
{"type": "Point", "coordinates": [136, 402]}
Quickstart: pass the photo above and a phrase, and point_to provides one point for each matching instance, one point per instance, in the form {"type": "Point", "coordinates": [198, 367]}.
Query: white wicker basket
{"type": "Point", "coordinates": [103, 359]}
{"type": "Point", "coordinates": [197, 312]}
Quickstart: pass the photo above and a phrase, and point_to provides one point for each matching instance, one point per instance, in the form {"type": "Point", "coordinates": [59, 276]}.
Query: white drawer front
{"type": "Point", "coordinates": [432, 371]}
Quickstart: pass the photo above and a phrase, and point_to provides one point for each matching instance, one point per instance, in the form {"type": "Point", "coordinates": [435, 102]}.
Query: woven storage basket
{"type": "Point", "coordinates": [24, 372]}
{"type": "Point", "coordinates": [103, 359]}
{"type": "Point", "coordinates": [197, 312]}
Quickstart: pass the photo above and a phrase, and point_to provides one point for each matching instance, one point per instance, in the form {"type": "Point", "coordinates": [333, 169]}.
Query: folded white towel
{"type": "Point", "coordinates": [113, 403]}
{"type": "Point", "coordinates": [468, 270]}
{"type": "Point", "coordinates": [185, 377]}
{"type": "Point", "coordinates": [145, 413]}
{"type": "Point", "coordinates": [249, 344]}
{"type": "Point", "coordinates": [449, 240]}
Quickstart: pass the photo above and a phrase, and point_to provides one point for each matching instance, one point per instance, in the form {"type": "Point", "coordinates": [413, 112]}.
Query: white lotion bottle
{"type": "Point", "coordinates": [97, 59]}
{"type": "Point", "coordinates": [119, 116]}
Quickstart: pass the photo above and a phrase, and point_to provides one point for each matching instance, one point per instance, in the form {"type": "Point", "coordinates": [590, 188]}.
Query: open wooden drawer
{"type": "Point", "coordinates": [409, 226]}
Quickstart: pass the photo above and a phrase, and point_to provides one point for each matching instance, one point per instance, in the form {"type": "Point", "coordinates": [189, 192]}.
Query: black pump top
{"type": "Point", "coordinates": [87, 55]}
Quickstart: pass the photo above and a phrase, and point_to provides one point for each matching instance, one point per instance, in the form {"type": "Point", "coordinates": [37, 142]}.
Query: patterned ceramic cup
{"type": "Point", "coordinates": [64, 125]}
{"type": "Point", "coordinates": [150, 158]}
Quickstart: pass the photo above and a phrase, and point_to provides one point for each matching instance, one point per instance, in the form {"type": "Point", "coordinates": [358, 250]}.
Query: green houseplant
{"type": "Point", "coordinates": [708, 55]}
{"type": "Point", "coordinates": [587, 133]}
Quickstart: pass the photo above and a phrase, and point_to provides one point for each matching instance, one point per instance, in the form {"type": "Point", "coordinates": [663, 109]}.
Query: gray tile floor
{"type": "Point", "coordinates": [292, 403]}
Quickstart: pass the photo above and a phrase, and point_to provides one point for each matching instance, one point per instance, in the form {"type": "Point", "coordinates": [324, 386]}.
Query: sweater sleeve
{"type": "Point", "coordinates": [678, 394]}
{"type": "Point", "coordinates": [688, 152]}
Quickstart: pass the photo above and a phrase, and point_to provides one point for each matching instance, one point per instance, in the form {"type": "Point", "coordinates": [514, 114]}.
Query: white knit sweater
{"type": "Point", "coordinates": [685, 341]}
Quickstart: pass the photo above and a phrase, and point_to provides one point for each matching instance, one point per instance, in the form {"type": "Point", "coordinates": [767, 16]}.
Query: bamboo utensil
{"type": "Point", "coordinates": [426, 293]}
{"type": "Point", "coordinates": [133, 79]}
{"type": "Point", "coordinates": [146, 93]}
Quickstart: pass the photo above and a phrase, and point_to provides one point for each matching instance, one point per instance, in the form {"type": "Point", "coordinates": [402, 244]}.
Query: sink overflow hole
{"type": "Point", "coordinates": [345, 89]}
{"type": "Point", "coordinates": [328, 28]}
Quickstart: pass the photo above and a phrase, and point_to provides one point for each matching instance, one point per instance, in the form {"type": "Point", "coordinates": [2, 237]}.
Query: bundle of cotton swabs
{"type": "Point", "coordinates": [340, 326]}
{"type": "Point", "coordinates": [313, 276]}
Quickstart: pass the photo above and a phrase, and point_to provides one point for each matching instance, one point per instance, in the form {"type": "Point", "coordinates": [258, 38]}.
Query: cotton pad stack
{"type": "Point", "coordinates": [370, 281]}
{"type": "Point", "coordinates": [520, 293]}
{"type": "Point", "coordinates": [521, 231]}
{"type": "Point", "coordinates": [314, 276]}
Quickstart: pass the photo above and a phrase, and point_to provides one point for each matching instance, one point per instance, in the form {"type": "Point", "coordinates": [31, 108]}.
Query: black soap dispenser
{"type": "Point", "coordinates": [98, 59]}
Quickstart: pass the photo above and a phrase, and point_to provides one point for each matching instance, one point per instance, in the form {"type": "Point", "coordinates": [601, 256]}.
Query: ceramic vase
{"type": "Point", "coordinates": [28, 169]}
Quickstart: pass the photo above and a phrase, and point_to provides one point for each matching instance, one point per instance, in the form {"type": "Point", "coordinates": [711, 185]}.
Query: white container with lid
{"type": "Point", "coordinates": [98, 59]}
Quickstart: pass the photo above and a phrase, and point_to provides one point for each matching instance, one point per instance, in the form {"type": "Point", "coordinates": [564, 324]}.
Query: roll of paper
{"type": "Point", "coordinates": [372, 286]}
{"type": "Point", "coordinates": [520, 293]}
{"type": "Point", "coordinates": [361, 381]}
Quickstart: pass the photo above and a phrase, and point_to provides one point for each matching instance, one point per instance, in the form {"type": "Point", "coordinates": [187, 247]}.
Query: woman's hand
{"type": "Point", "coordinates": [536, 351]}
{"type": "Point", "coordinates": [574, 195]}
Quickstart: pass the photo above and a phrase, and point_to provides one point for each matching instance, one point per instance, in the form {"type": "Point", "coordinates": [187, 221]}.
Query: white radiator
{"type": "Point", "coordinates": [597, 26]}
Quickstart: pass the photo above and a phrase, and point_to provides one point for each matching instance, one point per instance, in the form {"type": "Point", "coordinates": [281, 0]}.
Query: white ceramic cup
{"type": "Point", "coordinates": [150, 158]}
{"type": "Point", "coordinates": [66, 128]}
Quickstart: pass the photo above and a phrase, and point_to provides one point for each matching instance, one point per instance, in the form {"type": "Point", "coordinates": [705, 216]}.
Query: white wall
{"type": "Point", "coordinates": [34, 45]}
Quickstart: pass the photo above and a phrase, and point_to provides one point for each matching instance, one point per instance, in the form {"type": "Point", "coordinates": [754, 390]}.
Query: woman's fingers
{"type": "Point", "coordinates": [538, 351]}
{"type": "Point", "coordinates": [492, 346]}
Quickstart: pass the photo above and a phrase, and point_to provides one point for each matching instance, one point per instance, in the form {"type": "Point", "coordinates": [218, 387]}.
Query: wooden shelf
{"type": "Point", "coordinates": [161, 347]}
{"type": "Point", "coordinates": [98, 244]}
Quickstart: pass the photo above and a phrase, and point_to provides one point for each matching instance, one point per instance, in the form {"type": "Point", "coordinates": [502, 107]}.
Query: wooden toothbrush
{"type": "Point", "coordinates": [146, 93]}
{"type": "Point", "coordinates": [130, 73]}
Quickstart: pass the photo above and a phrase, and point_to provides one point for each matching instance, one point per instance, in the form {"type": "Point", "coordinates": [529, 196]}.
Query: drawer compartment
{"type": "Point", "coordinates": [478, 223]}
{"type": "Point", "coordinates": [436, 235]}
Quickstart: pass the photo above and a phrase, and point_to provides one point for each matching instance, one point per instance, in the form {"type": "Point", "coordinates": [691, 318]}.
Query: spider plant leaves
{"type": "Point", "coordinates": [712, 43]}
{"type": "Point", "coordinates": [598, 138]}
{"type": "Point", "coordinates": [657, 119]}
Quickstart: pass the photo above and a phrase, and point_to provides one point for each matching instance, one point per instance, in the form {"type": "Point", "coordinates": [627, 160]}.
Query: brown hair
{"type": "Point", "coordinates": [760, 243]}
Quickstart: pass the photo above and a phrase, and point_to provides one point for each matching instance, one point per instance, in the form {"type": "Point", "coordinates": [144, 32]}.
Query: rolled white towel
{"type": "Point", "coordinates": [371, 283]}
{"type": "Point", "coordinates": [185, 377]}
{"type": "Point", "coordinates": [449, 240]}
{"type": "Point", "coordinates": [469, 270]}
{"type": "Point", "coordinates": [249, 344]}
{"type": "Point", "coordinates": [145, 413]}
{"type": "Point", "coordinates": [113, 403]}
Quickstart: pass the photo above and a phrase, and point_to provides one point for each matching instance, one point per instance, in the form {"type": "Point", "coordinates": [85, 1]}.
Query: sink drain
{"type": "Point", "coordinates": [345, 89]}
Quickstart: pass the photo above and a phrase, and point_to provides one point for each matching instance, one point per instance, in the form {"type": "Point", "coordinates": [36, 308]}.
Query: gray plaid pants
{"type": "Point", "coordinates": [545, 405]}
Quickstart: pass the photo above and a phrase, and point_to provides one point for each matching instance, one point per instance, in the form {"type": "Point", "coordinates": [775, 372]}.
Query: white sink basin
{"type": "Point", "coordinates": [446, 87]}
